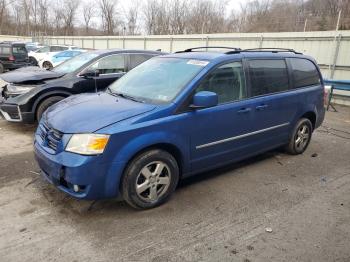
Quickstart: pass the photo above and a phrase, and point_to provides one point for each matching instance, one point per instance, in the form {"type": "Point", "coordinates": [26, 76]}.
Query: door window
{"type": "Point", "coordinates": [305, 72]}
{"type": "Point", "coordinates": [227, 81]}
{"type": "Point", "coordinates": [5, 50]}
{"type": "Point", "coordinates": [136, 59]}
{"type": "Point", "coordinates": [109, 65]}
{"type": "Point", "coordinates": [44, 50]}
{"type": "Point", "coordinates": [268, 76]}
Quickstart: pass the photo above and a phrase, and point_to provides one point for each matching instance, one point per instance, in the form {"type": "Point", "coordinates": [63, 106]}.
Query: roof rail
{"type": "Point", "coordinates": [265, 49]}
{"type": "Point", "coordinates": [208, 47]}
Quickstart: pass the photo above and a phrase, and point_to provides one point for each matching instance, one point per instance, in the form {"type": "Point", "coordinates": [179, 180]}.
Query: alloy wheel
{"type": "Point", "coordinates": [153, 181]}
{"type": "Point", "coordinates": [302, 137]}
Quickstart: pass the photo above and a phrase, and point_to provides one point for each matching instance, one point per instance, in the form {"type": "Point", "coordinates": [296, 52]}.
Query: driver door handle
{"type": "Point", "coordinates": [261, 107]}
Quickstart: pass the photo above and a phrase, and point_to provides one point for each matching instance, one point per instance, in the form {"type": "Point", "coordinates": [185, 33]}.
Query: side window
{"type": "Point", "coordinates": [109, 65]}
{"type": "Point", "coordinates": [136, 59]}
{"type": "Point", "coordinates": [268, 76]}
{"type": "Point", "coordinates": [227, 81]}
{"type": "Point", "coordinates": [44, 49]}
{"type": "Point", "coordinates": [304, 72]}
{"type": "Point", "coordinates": [5, 50]}
{"type": "Point", "coordinates": [19, 49]}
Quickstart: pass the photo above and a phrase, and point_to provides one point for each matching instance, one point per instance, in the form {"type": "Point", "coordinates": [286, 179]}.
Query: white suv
{"type": "Point", "coordinates": [36, 56]}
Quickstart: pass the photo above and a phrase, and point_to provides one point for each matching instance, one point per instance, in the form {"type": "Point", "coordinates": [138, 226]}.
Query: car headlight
{"type": "Point", "coordinates": [87, 144]}
{"type": "Point", "coordinates": [14, 89]}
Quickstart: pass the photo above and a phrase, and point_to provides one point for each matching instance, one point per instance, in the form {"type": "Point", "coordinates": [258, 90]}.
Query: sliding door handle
{"type": "Point", "coordinates": [244, 110]}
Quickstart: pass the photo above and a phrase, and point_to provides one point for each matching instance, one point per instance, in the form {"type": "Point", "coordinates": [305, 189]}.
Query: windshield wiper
{"type": "Point", "coordinates": [128, 97]}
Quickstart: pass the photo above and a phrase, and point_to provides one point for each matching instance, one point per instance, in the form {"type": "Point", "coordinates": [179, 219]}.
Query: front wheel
{"type": "Point", "coordinates": [300, 138]}
{"type": "Point", "coordinates": [46, 104]}
{"type": "Point", "coordinates": [150, 179]}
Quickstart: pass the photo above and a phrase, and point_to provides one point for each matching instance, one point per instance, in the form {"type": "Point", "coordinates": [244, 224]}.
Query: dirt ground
{"type": "Point", "coordinates": [216, 216]}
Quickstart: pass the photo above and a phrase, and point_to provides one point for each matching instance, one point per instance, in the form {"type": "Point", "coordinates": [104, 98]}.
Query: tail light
{"type": "Point", "coordinates": [11, 58]}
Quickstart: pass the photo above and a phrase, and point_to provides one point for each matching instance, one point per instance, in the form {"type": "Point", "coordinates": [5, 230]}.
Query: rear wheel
{"type": "Point", "coordinates": [150, 179]}
{"type": "Point", "coordinates": [2, 69]}
{"type": "Point", "coordinates": [47, 65]}
{"type": "Point", "coordinates": [46, 104]}
{"type": "Point", "coordinates": [300, 138]}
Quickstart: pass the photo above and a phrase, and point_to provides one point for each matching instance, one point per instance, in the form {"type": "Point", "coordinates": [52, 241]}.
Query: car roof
{"type": "Point", "coordinates": [221, 57]}
{"type": "Point", "coordinates": [121, 51]}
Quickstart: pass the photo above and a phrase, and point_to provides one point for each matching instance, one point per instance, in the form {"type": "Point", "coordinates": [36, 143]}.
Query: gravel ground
{"type": "Point", "coordinates": [217, 216]}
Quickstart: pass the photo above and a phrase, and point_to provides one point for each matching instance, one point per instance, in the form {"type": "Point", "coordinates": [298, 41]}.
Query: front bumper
{"type": "Point", "coordinates": [83, 177]}
{"type": "Point", "coordinates": [12, 113]}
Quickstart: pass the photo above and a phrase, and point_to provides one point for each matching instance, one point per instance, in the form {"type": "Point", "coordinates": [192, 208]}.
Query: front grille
{"type": "Point", "coordinates": [51, 137]}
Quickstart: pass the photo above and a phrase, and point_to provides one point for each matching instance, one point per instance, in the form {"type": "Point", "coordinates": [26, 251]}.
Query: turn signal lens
{"type": "Point", "coordinates": [87, 144]}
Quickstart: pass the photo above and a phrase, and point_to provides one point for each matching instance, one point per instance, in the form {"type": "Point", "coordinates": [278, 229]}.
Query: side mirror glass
{"type": "Point", "coordinates": [204, 99]}
{"type": "Point", "coordinates": [90, 74]}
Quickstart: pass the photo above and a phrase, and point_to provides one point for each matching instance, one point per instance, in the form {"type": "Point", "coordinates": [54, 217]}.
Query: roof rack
{"type": "Point", "coordinates": [265, 49]}
{"type": "Point", "coordinates": [208, 47]}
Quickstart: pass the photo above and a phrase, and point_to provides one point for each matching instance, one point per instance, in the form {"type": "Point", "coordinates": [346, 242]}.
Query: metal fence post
{"type": "Point", "coordinates": [107, 43]}
{"type": "Point", "coordinates": [93, 43]}
{"type": "Point", "coordinates": [144, 43]}
{"type": "Point", "coordinates": [123, 42]}
{"type": "Point", "coordinates": [171, 44]}
{"type": "Point", "coordinates": [207, 42]}
{"type": "Point", "coordinates": [336, 54]}
{"type": "Point", "coordinates": [261, 41]}
{"type": "Point", "coordinates": [82, 43]}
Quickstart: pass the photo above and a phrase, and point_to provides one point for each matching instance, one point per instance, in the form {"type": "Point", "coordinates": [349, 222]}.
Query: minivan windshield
{"type": "Point", "coordinates": [157, 80]}
{"type": "Point", "coordinates": [75, 63]}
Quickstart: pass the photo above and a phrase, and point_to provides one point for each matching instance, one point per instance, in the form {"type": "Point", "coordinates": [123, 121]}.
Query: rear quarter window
{"type": "Point", "coordinates": [305, 73]}
{"type": "Point", "coordinates": [268, 76]}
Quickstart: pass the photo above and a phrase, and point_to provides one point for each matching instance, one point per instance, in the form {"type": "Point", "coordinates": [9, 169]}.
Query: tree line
{"type": "Point", "coordinates": [110, 17]}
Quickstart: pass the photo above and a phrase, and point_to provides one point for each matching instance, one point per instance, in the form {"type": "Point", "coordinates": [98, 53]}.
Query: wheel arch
{"type": "Point", "coordinates": [45, 96]}
{"type": "Point", "coordinates": [312, 117]}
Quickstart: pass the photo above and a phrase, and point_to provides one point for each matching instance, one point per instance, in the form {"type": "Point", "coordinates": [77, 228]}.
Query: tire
{"type": "Point", "coordinates": [46, 104]}
{"type": "Point", "coordinates": [2, 69]}
{"type": "Point", "coordinates": [33, 61]}
{"type": "Point", "coordinates": [155, 186]}
{"type": "Point", "coordinates": [300, 138]}
{"type": "Point", "coordinates": [47, 65]}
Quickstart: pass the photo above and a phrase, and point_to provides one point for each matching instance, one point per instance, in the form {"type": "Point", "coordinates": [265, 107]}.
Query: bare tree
{"type": "Point", "coordinates": [69, 12]}
{"type": "Point", "coordinates": [132, 16]}
{"type": "Point", "coordinates": [108, 15]}
{"type": "Point", "coordinates": [88, 14]}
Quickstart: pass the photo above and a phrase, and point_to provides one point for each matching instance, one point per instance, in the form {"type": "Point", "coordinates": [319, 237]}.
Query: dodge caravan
{"type": "Point", "coordinates": [178, 115]}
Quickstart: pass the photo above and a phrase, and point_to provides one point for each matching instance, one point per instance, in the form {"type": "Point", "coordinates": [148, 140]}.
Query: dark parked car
{"type": "Point", "coordinates": [178, 115]}
{"type": "Point", "coordinates": [28, 92]}
{"type": "Point", "coordinates": [13, 55]}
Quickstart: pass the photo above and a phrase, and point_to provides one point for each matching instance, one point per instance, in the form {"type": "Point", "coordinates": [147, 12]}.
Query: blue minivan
{"type": "Point", "coordinates": [178, 115]}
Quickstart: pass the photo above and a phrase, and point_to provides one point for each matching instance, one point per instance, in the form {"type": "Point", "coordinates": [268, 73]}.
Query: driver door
{"type": "Point", "coordinates": [109, 69]}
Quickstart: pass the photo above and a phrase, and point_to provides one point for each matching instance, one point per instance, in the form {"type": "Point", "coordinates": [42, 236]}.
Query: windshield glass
{"type": "Point", "coordinates": [73, 64]}
{"type": "Point", "coordinates": [158, 80]}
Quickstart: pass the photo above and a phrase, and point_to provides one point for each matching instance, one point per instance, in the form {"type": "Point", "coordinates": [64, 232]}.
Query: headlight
{"type": "Point", "coordinates": [87, 144]}
{"type": "Point", "coordinates": [13, 89]}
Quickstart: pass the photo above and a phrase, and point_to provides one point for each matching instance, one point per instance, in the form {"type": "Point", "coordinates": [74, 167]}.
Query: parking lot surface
{"type": "Point", "coordinates": [223, 215]}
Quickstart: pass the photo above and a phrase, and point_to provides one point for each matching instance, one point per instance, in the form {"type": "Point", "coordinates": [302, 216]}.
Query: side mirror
{"type": "Point", "coordinates": [90, 74]}
{"type": "Point", "coordinates": [204, 99]}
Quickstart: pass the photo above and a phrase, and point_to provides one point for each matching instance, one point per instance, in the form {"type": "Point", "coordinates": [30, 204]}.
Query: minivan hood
{"type": "Point", "coordinates": [88, 113]}
{"type": "Point", "coordinates": [29, 75]}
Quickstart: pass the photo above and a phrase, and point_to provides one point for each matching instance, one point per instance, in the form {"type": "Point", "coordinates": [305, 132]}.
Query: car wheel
{"type": "Point", "coordinates": [150, 179]}
{"type": "Point", "coordinates": [300, 138]}
{"type": "Point", "coordinates": [47, 65]}
{"type": "Point", "coordinates": [46, 104]}
{"type": "Point", "coordinates": [33, 61]}
{"type": "Point", "coordinates": [1, 69]}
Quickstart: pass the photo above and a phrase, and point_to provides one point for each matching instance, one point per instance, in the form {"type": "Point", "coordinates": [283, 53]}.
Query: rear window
{"type": "Point", "coordinates": [5, 50]}
{"type": "Point", "coordinates": [305, 73]}
{"type": "Point", "coordinates": [268, 76]}
{"type": "Point", "coordinates": [19, 49]}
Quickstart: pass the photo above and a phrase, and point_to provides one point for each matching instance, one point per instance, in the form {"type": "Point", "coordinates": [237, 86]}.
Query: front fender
{"type": "Point", "coordinates": [137, 144]}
